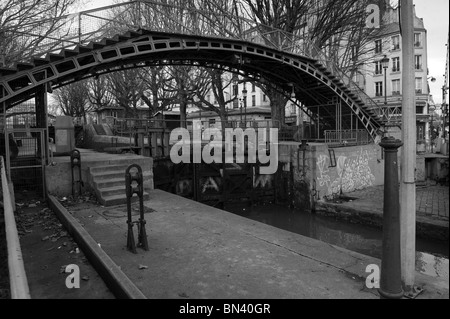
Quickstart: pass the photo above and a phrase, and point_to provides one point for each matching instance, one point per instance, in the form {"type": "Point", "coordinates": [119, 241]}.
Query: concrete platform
{"type": "Point", "coordinates": [58, 176]}
{"type": "Point", "coordinates": [198, 252]}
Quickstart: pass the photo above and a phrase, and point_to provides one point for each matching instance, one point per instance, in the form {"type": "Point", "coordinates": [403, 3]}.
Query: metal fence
{"type": "Point", "coordinates": [127, 127]}
{"type": "Point", "coordinates": [347, 138]}
{"type": "Point", "coordinates": [26, 154]}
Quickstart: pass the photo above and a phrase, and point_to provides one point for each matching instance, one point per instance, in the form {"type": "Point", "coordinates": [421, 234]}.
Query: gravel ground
{"type": "Point", "coordinates": [47, 249]}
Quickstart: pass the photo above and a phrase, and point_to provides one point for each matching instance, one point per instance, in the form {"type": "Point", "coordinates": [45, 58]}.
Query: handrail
{"type": "Point", "coordinates": [17, 274]}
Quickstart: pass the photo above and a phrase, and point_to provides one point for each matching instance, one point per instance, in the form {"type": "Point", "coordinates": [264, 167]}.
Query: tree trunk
{"type": "Point", "coordinates": [183, 117]}
{"type": "Point", "coordinates": [278, 108]}
{"type": "Point", "coordinates": [223, 120]}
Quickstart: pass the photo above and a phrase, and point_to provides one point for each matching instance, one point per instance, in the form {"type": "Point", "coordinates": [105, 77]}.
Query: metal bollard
{"type": "Point", "coordinates": [75, 161]}
{"type": "Point", "coordinates": [391, 276]}
{"type": "Point", "coordinates": [130, 191]}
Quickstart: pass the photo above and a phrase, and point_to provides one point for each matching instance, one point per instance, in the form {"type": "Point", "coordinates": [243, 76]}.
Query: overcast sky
{"type": "Point", "coordinates": [435, 14]}
{"type": "Point", "coordinates": [436, 18]}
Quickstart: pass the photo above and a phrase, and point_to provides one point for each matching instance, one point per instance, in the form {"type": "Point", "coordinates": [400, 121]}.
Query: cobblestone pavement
{"type": "Point", "coordinates": [431, 201]}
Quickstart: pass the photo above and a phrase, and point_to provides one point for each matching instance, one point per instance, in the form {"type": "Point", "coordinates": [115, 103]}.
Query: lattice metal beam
{"type": "Point", "coordinates": [121, 50]}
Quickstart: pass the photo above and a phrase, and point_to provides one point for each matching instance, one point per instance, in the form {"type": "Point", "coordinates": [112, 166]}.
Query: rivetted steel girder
{"type": "Point", "coordinates": [312, 82]}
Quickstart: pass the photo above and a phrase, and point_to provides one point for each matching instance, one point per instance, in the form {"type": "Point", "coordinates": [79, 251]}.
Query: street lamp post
{"type": "Point", "coordinates": [244, 95]}
{"type": "Point", "coordinates": [445, 109]}
{"type": "Point", "coordinates": [385, 64]}
{"type": "Point", "coordinates": [431, 109]}
{"type": "Point", "coordinates": [240, 105]}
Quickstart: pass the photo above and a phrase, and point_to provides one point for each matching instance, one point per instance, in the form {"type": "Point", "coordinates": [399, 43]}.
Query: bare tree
{"type": "Point", "coordinates": [218, 83]}
{"type": "Point", "coordinates": [334, 29]}
{"type": "Point", "coordinates": [98, 94]}
{"type": "Point", "coordinates": [20, 32]}
{"type": "Point", "coordinates": [73, 100]}
{"type": "Point", "coordinates": [182, 87]}
{"type": "Point", "coordinates": [127, 88]}
{"type": "Point", "coordinates": [54, 108]}
{"type": "Point", "coordinates": [155, 96]}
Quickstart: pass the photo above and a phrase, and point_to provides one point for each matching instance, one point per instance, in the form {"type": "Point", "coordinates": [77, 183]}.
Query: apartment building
{"type": "Point", "coordinates": [382, 78]}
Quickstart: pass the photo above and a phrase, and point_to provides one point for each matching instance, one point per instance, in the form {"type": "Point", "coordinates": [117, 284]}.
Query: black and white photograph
{"type": "Point", "coordinates": [224, 158]}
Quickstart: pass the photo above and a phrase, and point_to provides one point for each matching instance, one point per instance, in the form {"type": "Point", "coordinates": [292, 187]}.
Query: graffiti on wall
{"type": "Point", "coordinates": [263, 181]}
{"type": "Point", "coordinates": [351, 173]}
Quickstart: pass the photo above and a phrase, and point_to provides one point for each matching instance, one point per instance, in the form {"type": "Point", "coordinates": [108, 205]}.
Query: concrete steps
{"type": "Point", "coordinates": [109, 182]}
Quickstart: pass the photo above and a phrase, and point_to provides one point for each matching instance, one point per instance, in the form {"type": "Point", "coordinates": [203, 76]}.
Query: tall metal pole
{"type": "Point", "coordinates": [385, 86]}
{"type": "Point", "coordinates": [408, 156]}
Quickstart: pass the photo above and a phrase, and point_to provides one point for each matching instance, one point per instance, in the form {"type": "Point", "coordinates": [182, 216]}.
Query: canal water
{"type": "Point", "coordinates": [432, 256]}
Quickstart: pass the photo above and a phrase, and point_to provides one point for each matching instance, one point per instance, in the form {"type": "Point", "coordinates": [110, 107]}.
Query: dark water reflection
{"type": "Point", "coordinates": [432, 256]}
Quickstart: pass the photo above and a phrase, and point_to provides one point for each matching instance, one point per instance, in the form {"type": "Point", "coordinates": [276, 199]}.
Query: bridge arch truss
{"type": "Point", "coordinates": [314, 84]}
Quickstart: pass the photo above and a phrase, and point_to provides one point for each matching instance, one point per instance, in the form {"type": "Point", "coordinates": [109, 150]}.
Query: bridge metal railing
{"type": "Point", "coordinates": [17, 275]}
{"type": "Point", "coordinates": [347, 138]}
{"type": "Point", "coordinates": [153, 136]}
{"type": "Point", "coordinates": [133, 123]}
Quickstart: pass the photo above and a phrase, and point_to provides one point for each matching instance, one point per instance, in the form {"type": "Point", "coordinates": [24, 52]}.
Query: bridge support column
{"type": "Point", "coordinates": [42, 117]}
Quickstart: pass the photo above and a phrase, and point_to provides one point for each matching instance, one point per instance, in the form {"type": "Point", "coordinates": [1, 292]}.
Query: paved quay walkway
{"type": "Point", "coordinates": [198, 252]}
{"type": "Point", "coordinates": [366, 206]}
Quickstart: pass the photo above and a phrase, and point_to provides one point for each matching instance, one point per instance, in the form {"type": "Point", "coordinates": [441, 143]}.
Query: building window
{"type": "Point", "coordinates": [418, 40]}
{"type": "Point", "coordinates": [420, 110]}
{"type": "Point", "coordinates": [418, 62]}
{"type": "Point", "coordinates": [396, 65]}
{"type": "Point", "coordinates": [396, 42]}
{"type": "Point", "coordinates": [264, 98]}
{"type": "Point", "coordinates": [395, 87]}
{"type": "Point", "coordinates": [294, 109]}
{"type": "Point", "coordinates": [419, 85]}
{"type": "Point", "coordinates": [212, 122]}
{"type": "Point", "coordinates": [253, 88]}
{"type": "Point", "coordinates": [378, 46]}
{"type": "Point", "coordinates": [253, 100]}
{"type": "Point", "coordinates": [208, 98]}
{"type": "Point", "coordinates": [378, 68]}
{"type": "Point", "coordinates": [378, 88]}
{"type": "Point", "coordinates": [421, 132]}
{"type": "Point", "coordinates": [235, 90]}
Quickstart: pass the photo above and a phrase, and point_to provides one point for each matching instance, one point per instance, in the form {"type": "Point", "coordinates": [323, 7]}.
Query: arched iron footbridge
{"type": "Point", "coordinates": [141, 34]}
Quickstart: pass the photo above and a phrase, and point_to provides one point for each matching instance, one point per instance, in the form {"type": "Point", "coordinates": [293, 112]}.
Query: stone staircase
{"type": "Point", "coordinates": [108, 182]}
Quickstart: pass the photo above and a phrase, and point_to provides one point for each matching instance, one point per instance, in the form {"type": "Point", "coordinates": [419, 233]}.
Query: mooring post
{"type": "Point", "coordinates": [130, 191]}
{"type": "Point", "coordinates": [75, 161]}
{"type": "Point", "coordinates": [391, 276]}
